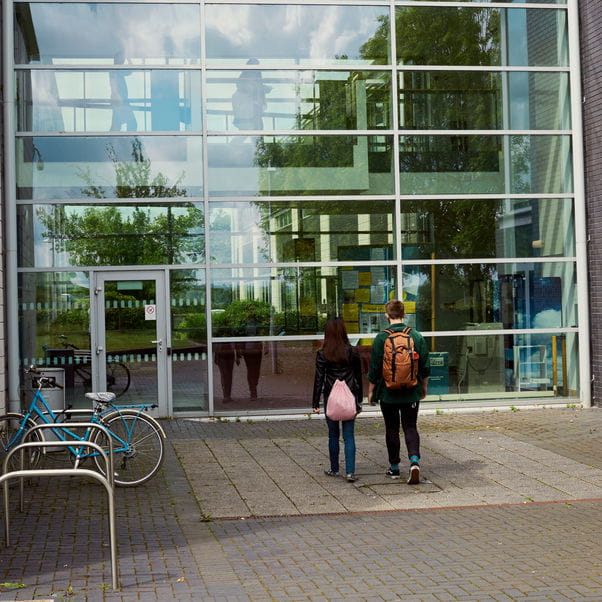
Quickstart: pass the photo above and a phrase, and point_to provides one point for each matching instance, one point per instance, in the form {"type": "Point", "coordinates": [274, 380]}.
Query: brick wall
{"type": "Point", "coordinates": [590, 12]}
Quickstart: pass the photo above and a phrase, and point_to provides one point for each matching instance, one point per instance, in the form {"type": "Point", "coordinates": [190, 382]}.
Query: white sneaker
{"type": "Point", "coordinates": [414, 477]}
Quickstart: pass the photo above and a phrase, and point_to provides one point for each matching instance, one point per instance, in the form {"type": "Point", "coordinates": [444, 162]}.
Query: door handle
{"type": "Point", "coordinates": [158, 342]}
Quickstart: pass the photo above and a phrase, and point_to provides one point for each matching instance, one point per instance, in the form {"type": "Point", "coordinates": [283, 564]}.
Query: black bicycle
{"type": "Point", "coordinates": [118, 374]}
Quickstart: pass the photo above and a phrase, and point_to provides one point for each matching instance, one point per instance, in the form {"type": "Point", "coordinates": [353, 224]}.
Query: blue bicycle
{"type": "Point", "coordinates": [137, 437]}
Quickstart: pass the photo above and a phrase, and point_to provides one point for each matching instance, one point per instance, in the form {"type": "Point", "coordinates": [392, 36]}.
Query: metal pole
{"type": "Point", "coordinates": [580, 216]}
{"type": "Point", "coordinates": [10, 209]}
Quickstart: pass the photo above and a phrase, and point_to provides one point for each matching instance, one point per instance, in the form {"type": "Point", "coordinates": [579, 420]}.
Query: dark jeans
{"type": "Point", "coordinates": [333, 444]}
{"type": "Point", "coordinates": [407, 414]}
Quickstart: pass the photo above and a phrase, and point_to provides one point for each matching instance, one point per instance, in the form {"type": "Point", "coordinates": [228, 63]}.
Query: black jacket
{"type": "Point", "coordinates": [328, 372]}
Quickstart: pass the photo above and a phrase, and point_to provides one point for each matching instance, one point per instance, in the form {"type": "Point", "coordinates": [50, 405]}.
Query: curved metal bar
{"type": "Point", "coordinates": [67, 472]}
{"type": "Point", "coordinates": [109, 458]}
{"type": "Point", "coordinates": [33, 444]}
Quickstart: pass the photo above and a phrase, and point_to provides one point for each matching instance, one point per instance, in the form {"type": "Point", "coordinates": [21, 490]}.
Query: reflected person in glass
{"type": "Point", "coordinates": [251, 352]}
{"type": "Point", "coordinates": [248, 101]}
{"type": "Point", "coordinates": [337, 359]}
{"type": "Point", "coordinates": [225, 355]}
{"type": "Point", "coordinates": [123, 113]}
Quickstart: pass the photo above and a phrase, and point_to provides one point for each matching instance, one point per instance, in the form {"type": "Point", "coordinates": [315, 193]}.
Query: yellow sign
{"type": "Point", "coordinates": [362, 295]}
{"type": "Point", "coordinates": [371, 308]}
{"type": "Point", "coordinates": [409, 307]}
{"type": "Point", "coordinates": [350, 312]}
{"type": "Point", "coordinates": [365, 278]}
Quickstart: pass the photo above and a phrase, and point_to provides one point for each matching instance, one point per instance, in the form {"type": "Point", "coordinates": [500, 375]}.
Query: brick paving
{"type": "Point", "coordinates": [510, 507]}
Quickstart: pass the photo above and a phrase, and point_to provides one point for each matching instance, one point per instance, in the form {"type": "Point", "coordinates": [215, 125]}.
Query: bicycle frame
{"type": "Point", "coordinates": [49, 416]}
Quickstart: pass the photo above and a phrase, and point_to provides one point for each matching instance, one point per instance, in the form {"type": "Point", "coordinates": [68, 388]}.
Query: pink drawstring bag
{"type": "Point", "coordinates": [341, 402]}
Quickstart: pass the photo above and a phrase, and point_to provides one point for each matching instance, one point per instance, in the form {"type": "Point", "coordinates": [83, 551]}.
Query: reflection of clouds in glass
{"type": "Point", "coordinates": [327, 32]}
{"type": "Point", "coordinates": [100, 31]}
{"type": "Point", "coordinates": [317, 32]}
{"type": "Point", "coordinates": [549, 318]}
{"type": "Point", "coordinates": [233, 22]}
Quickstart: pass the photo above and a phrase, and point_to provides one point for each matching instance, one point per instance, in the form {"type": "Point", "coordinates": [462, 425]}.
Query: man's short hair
{"type": "Point", "coordinates": [394, 309]}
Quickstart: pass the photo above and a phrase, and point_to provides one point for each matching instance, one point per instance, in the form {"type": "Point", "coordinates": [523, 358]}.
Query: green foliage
{"type": "Point", "coordinates": [239, 315]}
{"type": "Point", "coordinates": [447, 36]}
{"type": "Point", "coordinates": [193, 327]}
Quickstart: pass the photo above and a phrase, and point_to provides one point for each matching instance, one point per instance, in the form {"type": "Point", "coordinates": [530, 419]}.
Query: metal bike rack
{"type": "Point", "coordinates": [109, 458]}
{"type": "Point", "coordinates": [107, 482]}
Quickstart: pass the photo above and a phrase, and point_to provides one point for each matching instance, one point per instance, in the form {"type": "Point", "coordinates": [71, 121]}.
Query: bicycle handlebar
{"type": "Point", "coordinates": [43, 380]}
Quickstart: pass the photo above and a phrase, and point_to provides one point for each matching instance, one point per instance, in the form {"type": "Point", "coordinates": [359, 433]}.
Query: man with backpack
{"type": "Point", "coordinates": [398, 380]}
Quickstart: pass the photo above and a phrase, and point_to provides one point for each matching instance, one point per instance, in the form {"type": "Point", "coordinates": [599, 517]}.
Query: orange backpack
{"type": "Point", "coordinates": [400, 360]}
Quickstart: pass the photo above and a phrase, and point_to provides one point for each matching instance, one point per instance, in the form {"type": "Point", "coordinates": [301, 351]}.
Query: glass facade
{"type": "Point", "coordinates": [198, 185]}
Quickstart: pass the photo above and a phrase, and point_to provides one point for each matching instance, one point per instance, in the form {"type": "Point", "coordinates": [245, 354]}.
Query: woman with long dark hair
{"type": "Point", "coordinates": [337, 359]}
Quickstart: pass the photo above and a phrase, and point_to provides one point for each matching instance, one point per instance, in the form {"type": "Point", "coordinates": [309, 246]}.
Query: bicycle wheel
{"type": "Point", "coordinates": [144, 454]}
{"type": "Point", "coordinates": [118, 378]}
{"type": "Point", "coordinates": [9, 438]}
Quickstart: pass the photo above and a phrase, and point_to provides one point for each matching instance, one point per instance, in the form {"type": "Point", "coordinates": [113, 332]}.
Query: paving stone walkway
{"type": "Point", "coordinates": [510, 508]}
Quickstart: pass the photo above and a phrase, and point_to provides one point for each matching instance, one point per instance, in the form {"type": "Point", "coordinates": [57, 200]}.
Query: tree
{"type": "Point", "coordinates": [128, 234]}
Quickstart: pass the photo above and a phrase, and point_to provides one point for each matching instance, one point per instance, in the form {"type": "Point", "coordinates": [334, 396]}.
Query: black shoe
{"type": "Point", "coordinates": [351, 478]}
{"type": "Point", "coordinates": [332, 473]}
{"type": "Point", "coordinates": [392, 473]}
{"type": "Point", "coordinates": [414, 477]}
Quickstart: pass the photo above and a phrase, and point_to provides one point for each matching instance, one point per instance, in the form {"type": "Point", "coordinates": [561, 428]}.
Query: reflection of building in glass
{"type": "Point", "coordinates": [308, 181]}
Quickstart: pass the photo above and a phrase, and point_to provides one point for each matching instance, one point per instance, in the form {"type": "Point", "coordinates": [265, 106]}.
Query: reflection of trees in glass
{"type": "Point", "coordinates": [305, 151]}
{"type": "Point", "coordinates": [127, 235]}
{"type": "Point", "coordinates": [235, 318]}
{"type": "Point", "coordinates": [439, 100]}
{"type": "Point", "coordinates": [134, 178]}
{"type": "Point", "coordinates": [360, 100]}
{"type": "Point", "coordinates": [447, 36]}
{"type": "Point", "coordinates": [310, 230]}
{"type": "Point", "coordinates": [463, 228]}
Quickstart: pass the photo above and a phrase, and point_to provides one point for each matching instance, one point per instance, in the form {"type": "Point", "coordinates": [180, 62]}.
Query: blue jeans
{"type": "Point", "coordinates": [333, 444]}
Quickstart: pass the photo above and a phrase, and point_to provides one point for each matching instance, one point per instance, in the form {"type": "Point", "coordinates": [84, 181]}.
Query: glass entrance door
{"type": "Point", "coordinates": [129, 341]}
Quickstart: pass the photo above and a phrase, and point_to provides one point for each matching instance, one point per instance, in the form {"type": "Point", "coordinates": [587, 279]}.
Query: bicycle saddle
{"type": "Point", "coordinates": [103, 396]}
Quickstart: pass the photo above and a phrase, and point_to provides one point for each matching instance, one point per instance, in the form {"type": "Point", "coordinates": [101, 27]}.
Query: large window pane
{"type": "Point", "coordinates": [107, 34]}
{"type": "Point", "coordinates": [263, 374]}
{"type": "Point", "coordinates": [463, 164]}
{"type": "Point", "coordinates": [83, 235]}
{"type": "Point", "coordinates": [188, 340]}
{"type": "Point", "coordinates": [98, 101]}
{"type": "Point", "coordinates": [297, 35]}
{"type": "Point", "coordinates": [477, 100]}
{"type": "Point", "coordinates": [471, 228]}
{"type": "Point", "coordinates": [481, 36]}
{"type": "Point", "coordinates": [489, 296]}
{"type": "Point", "coordinates": [298, 100]}
{"type": "Point", "coordinates": [109, 167]}
{"type": "Point", "coordinates": [54, 317]}
{"type": "Point", "coordinates": [273, 231]}
{"type": "Point", "coordinates": [298, 300]}
{"type": "Point", "coordinates": [503, 368]}
{"type": "Point", "coordinates": [301, 165]}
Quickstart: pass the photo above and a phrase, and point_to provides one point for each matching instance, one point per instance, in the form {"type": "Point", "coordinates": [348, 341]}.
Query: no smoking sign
{"type": "Point", "coordinates": [150, 312]}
